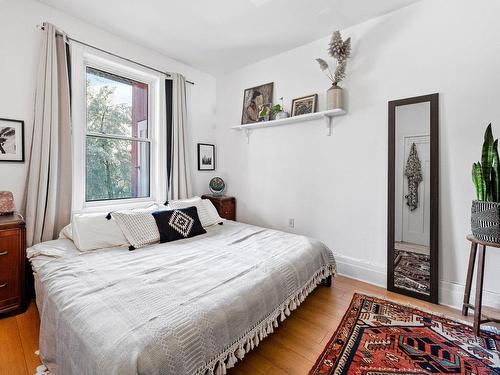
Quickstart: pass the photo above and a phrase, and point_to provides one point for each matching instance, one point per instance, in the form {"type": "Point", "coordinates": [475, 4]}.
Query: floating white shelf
{"type": "Point", "coordinates": [327, 115]}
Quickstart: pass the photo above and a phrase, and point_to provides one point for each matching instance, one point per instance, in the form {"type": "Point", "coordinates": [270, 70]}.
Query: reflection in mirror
{"type": "Point", "coordinates": [412, 203]}
{"type": "Point", "coordinates": [412, 231]}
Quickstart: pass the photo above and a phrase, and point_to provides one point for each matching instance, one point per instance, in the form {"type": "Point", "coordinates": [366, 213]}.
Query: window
{"type": "Point", "coordinates": [117, 140]}
{"type": "Point", "coordinates": [119, 157]}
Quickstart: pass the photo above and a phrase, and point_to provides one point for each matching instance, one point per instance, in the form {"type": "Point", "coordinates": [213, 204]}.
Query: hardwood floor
{"type": "Point", "coordinates": [18, 343]}
{"type": "Point", "coordinates": [292, 349]}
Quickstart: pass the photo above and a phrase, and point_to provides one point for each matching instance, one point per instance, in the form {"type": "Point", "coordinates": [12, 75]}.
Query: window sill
{"type": "Point", "coordinates": [116, 205]}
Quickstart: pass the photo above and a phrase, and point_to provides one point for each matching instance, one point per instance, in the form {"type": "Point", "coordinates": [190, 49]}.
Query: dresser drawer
{"type": "Point", "coordinates": [227, 210]}
{"type": "Point", "coordinates": [10, 264]}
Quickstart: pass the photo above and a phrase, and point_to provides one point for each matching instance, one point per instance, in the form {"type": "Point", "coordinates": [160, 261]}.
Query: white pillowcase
{"type": "Point", "coordinates": [66, 233]}
{"type": "Point", "coordinates": [206, 210]}
{"type": "Point", "coordinates": [138, 226]}
{"type": "Point", "coordinates": [95, 231]}
{"type": "Point", "coordinates": [184, 201]}
{"type": "Point", "coordinates": [212, 212]}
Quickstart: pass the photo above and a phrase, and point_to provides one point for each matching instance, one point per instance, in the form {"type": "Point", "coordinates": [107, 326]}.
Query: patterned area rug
{"type": "Point", "coordinates": [378, 337]}
{"type": "Point", "coordinates": [412, 271]}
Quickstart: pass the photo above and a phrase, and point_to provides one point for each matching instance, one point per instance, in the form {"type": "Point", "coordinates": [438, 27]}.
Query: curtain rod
{"type": "Point", "coordinates": [41, 27]}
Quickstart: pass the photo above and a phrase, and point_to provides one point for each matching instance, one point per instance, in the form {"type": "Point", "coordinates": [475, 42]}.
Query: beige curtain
{"type": "Point", "coordinates": [180, 175]}
{"type": "Point", "coordinates": [48, 187]}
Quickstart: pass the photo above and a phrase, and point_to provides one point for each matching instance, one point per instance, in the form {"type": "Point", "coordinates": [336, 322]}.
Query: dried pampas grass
{"type": "Point", "coordinates": [340, 50]}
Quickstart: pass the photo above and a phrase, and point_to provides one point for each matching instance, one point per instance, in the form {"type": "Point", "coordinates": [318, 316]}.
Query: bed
{"type": "Point", "coordinates": [193, 306]}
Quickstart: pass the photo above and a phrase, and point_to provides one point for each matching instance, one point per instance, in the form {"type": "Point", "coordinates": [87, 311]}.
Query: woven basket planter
{"type": "Point", "coordinates": [485, 221]}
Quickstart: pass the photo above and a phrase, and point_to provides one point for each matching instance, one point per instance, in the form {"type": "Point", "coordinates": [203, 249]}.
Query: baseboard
{"type": "Point", "coordinates": [450, 294]}
{"type": "Point", "coordinates": [361, 270]}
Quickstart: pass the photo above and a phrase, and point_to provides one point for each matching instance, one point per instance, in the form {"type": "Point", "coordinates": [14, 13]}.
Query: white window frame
{"type": "Point", "coordinates": [81, 58]}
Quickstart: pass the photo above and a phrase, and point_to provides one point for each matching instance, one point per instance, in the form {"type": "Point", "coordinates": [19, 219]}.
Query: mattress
{"type": "Point", "coordinates": [193, 306]}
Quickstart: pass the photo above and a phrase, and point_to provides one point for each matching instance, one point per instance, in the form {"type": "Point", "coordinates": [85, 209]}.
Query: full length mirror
{"type": "Point", "coordinates": [413, 197]}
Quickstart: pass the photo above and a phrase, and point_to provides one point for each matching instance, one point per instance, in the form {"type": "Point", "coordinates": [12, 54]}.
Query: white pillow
{"type": "Point", "coordinates": [66, 233]}
{"type": "Point", "coordinates": [212, 212]}
{"type": "Point", "coordinates": [139, 227]}
{"type": "Point", "coordinates": [184, 201]}
{"type": "Point", "coordinates": [206, 211]}
{"type": "Point", "coordinates": [95, 231]}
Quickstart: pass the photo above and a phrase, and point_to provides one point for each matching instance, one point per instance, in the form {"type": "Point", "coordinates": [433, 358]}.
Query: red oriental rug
{"type": "Point", "coordinates": [378, 337]}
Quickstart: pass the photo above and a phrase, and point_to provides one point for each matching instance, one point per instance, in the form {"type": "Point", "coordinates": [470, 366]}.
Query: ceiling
{"type": "Point", "coordinates": [218, 36]}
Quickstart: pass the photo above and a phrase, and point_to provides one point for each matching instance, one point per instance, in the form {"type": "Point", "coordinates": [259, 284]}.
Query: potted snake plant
{"type": "Point", "coordinates": [485, 214]}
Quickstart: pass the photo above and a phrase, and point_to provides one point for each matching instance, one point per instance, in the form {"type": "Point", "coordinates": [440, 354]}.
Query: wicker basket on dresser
{"type": "Point", "coordinates": [12, 264]}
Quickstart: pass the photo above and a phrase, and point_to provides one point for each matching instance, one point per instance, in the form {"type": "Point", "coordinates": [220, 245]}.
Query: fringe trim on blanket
{"type": "Point", "coordinates": [251, 340]}
{"type": "Point", "coordinates": [42, 369]}
{"type": "Point", "coordinates": [237, 350]}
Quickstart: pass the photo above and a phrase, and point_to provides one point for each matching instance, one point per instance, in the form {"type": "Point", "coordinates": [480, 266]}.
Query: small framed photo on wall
{"type": "Point", "coordinates": [11, 140]}
{"type": "Point", "coordinates": [206, 157]}
{"type": "Point", "coordinates": [304, 105]}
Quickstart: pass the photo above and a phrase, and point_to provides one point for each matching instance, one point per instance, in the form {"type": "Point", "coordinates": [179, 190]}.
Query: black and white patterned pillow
{"type": "Point", "coordinates": [206, 211]}
{"type": "Point", "coordinates": [178, 224]}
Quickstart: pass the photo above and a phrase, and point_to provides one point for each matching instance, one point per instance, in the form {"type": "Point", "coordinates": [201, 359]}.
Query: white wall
{"type": "Point", "coordinates": [20, 44]}
{"type": "Point", "coordinates": [335, 187]}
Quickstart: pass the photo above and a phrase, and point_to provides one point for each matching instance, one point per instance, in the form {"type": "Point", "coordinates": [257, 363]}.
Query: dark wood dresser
{"type": "Point", "coordinates": [12, 264]}
{"type": "Point", "coordinates": [226, 206]}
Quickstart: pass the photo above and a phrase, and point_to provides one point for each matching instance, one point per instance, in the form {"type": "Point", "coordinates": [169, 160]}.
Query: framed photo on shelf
{"type": "Point", "coordinates": [304, 105]}
{"type": "Point", "coordinates": [11, 140]}
{"type": "Point", "coordinates": [206, 157]}
{"type": "Point", "coordinates": [253, 99]}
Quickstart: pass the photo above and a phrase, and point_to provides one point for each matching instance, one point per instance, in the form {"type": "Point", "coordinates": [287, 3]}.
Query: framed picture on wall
{"type": "Point", "coordinates": [206, 157]}
{"type": "Point", "coordinates": [11, 140]}
{"type": "Point", "coordinates": [253, 100]}
{"type": "Point", "coordinates": [304, 105]}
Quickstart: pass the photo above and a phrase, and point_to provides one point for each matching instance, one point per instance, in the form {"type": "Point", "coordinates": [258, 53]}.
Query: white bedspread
{"type": "Point", "coordinates": [187, 307]}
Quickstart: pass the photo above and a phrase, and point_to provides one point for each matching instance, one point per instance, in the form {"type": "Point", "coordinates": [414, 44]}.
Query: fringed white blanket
{"type": "Point", "coordinates": [194, 306]}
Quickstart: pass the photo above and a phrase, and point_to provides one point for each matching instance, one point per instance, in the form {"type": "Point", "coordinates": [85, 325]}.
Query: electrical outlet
{"type": "Point", "coordinates": [291, 222]}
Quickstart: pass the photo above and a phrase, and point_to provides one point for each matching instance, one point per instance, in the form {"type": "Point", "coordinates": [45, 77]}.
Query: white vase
{"type": "Point", "coordinates": [335, 97]}
{"type": "Point", "coordinates": [281, 115]}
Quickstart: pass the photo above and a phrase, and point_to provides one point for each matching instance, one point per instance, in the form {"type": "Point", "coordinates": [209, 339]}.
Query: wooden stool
{"type": "Point", "coordinates": [478, 318]}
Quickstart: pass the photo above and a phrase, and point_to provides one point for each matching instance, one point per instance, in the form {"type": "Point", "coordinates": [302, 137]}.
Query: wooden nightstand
{"type": "Point", "coordinates": [226, 206]}
{"type": "Point", "coordinates": [12, 264]}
